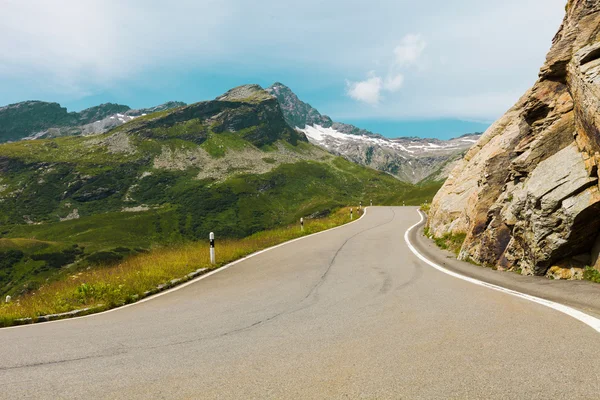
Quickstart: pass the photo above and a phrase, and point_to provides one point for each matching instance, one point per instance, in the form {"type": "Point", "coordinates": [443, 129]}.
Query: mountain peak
{"type": "Point", "coordinates": [247, 111]}
{"type": "Point", "coordinates": [246, 93]}
{"type": "Point", "coordinates": [99, 112]}
{"type": "Point", "coordinates": [297, 113]}
{"type": "Point", "coordinates": [31, 103]}
{"type": "Point", "coordinates": [279, 86]}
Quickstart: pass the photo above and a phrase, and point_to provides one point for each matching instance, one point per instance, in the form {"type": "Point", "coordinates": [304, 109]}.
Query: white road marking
{"type": "Point", "coordinates": [223, 268]}
{"type": "Point", "coordinates": [592, 322]}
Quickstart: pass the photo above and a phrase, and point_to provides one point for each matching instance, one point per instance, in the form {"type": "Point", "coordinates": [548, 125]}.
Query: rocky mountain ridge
{"type": "Point", "coordinates": [39, 119]}
{"type": "Point", "coordinates": [526, 195]}
{"type": "Point", "coordinates": [241, 132]}
{"type": "Point", "coordinates": [409, 159]}
{"type": "Point", "coordinates": [296, 112]}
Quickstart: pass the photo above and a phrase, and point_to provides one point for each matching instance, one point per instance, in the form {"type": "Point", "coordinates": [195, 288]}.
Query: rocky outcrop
{"type": "Point", "coordinates": [297, 113]}
{"type": "Point", "coordinates": [526, 194]}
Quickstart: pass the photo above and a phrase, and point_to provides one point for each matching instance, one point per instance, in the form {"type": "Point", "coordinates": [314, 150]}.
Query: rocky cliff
{"type": "Point", "coordinates": [297, 113]}
{"type": "Point", "coordinates": [526, 194]}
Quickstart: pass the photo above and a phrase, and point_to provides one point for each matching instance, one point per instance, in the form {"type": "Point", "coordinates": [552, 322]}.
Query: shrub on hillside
{"type": "Point", "coordinates": [104, 257]}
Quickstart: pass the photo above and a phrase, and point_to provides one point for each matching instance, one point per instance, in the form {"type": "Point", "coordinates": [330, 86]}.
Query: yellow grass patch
{"type": "Point", "coordinates": [112, 286]}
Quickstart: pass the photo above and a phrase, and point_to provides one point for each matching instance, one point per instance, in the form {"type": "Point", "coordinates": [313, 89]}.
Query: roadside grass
{"type": "Point", "coordinates": [448, 241]}
{"type": "Point", "coordinates": [182, 209]}
{"type": "Point", "coordinates": [125, 282]}
{"type": "Point", "coordinates": [591, 274]}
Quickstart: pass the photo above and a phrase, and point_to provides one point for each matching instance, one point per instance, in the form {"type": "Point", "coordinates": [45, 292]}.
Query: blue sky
{"type": "Point", "coordinates": [399, 67]}
{"type": "Point", "coordinates": [439, 128]}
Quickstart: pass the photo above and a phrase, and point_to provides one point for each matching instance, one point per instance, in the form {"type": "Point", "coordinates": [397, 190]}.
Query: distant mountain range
{"type": "Point", "coordinates": [409, 159]}
{"type": "Point", "coordinates": [39, 119]}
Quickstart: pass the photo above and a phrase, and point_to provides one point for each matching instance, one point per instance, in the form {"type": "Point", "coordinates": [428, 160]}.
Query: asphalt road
{"type": "Point", "coordinates": [350, 313]}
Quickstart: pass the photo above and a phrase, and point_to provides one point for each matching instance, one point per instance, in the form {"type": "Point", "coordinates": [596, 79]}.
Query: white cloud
{"type": "Point", "coordinates": [192, 49]}
{"type": "Point", "coordinates": [71, 46]}
{"type": "Point", "coordinates": [367, 91]}
{"type": "Point", "coordinates": [409, 50]}
{"type": "Point", "coordinates": [393, 83]}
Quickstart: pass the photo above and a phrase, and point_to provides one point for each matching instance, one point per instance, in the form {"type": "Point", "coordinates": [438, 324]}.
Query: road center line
{"type": "Point", "coordinates": [589, 320]}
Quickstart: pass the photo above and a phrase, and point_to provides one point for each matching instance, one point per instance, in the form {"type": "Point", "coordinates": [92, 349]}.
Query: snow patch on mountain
{"type": "Point", "coordinates": [332, 138]}
{"type": "Point", "coordinates": [410, 159]}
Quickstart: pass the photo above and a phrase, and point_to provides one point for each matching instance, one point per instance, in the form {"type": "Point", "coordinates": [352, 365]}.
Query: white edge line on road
{"type": "Point", "coordinates": [191, 282]}
{"type": "Point", "coordinates": [592, 322]}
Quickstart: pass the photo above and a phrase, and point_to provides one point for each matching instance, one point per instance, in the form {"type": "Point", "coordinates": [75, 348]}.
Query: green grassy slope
{"type": "Point", "coordinates": [233, 167]}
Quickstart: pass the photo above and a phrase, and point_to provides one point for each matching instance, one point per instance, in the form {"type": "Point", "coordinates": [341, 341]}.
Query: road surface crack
{"type": "Point", "coordinates": [288, 311]}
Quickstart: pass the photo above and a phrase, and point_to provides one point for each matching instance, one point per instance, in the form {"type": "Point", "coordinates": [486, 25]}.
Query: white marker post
{"type": "Point", "coordinates": [403, 204]}
{"type": "Point", "coordinates": [371, 202]}
{"type": "Point", "coordinates": [212, 247]}
{"type": "Point", "coordinates": [351, 214]}
{"type": "Point", "coordinates": [301, 224]}
{"type": "Point", "coordinates": [8, 298]}
{"type": "Point", "coordinates": [360, 205]}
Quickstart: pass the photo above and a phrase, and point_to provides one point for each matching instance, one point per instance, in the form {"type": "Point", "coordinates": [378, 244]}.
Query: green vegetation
{"type": "Point", "coordinates": [425, 207]}
{"type": "Point", "coordinates": [218, 144]}
{"type": "Point", "coordinates": [591, 274]}
{"type": "Point", "coordinates": [451, 242]}
{"type": "Point", "coordinates": [73, 204]}
{"type": "Point", "coordinates": [127, 281]}
{"type": "Point", "coordinates": [86, 155]}
{"type": "Point", "coordinates": [28, 263]}
{"type": "Point", "coordinates": [471, 261]}
{"type": "Point", "coordinates": [182, 209]}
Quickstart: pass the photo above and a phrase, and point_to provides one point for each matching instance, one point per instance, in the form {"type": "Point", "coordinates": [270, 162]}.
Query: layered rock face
{"type": "Point", "coordinates": [527, 193]}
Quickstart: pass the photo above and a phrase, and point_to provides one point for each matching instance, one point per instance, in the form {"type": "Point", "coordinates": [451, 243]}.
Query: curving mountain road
{"type": "Point", "coordinates": [349, 313]}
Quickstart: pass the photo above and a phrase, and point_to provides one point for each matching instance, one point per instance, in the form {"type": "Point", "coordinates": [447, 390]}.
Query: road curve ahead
{"type": "Point", "coordinates": [350, 313]}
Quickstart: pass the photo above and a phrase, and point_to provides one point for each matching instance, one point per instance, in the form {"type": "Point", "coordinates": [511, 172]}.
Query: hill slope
{"type": "Point", "coordinates": [527, 193]}
{"type": "Point", "coordinates": [37, 119]}
{"type": "Point", "coordinates": [409, 159]}
{"type": "Point", "coordinates": [231, 165]}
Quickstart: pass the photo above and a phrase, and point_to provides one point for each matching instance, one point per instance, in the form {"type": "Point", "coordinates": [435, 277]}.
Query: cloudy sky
{"type": "Point", "coordinates": [383, 64]}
